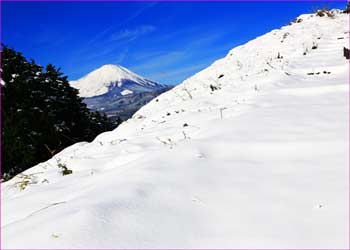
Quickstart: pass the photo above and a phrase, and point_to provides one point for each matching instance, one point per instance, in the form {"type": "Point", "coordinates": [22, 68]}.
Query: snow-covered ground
{"type": "Point", "coordinates": [252, 152]}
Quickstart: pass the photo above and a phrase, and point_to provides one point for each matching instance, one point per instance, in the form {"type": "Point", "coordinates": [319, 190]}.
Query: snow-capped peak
{"type": "Point", "coordinates": [101, 80]}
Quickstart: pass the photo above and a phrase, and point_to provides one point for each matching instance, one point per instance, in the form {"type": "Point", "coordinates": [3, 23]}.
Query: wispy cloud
{"type": "Point", "coordinates": [139, 12]}
{"type": "Point", "coordinates": [181, 53]}
{"type": "Point", "coordinates": [192, 48]}
{"type": "Point", "coordinates": [178, 74]}
{"type": "Point", "coordinates": [121, 56]}
{"type": "Point", "coordinates": [111, 28]}
{"type": "Point", "coordinates": [146, 55]}
{"type": "Point", "coordinates": [162, 60]}
{"type": "Point", "coordinates": [132, 34]}
{"type": "Point", "coordinates": [175, 66]}
{"type": "Point", "coordinates": [102, 43]}
{"type": "Point", "coordinates": [99, 35]}
{"type": "Point", "coordinates": [115, 43]}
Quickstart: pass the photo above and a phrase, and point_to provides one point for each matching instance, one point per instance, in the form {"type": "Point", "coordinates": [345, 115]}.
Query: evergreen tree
{"type": "Point", "coordinates": [41, 113]}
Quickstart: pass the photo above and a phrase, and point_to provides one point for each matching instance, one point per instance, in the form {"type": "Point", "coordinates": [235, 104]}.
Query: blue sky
{"type": "Point", "coordinates": [165, 42]}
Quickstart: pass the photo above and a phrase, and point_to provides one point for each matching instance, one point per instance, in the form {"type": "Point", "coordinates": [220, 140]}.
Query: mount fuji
{"type": "Point", "coordinates": [113, 79]}
{"type": "Point", "coordinates": [116, 91]}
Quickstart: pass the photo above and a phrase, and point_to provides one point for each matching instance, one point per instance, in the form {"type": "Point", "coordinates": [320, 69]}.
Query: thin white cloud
{"type": "Point", "coordinates": [109, 29]}
{"type": "Point", "coordinates": [179, 73]}
{"type": "Point", "coordinates": [121, 56]}
{"type": "Point", "coordinates": [132, 34]}
{"type": "Point", "coordinates": [162, 60]}
{"type": "Point", "coordinates": [191, 49]}
{"type": "Point", "coordinates": [139, 12]}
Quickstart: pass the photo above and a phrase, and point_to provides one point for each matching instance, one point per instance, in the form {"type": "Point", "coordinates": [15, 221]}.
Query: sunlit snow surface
{"type": "Point", "coordinates": [261, 162]}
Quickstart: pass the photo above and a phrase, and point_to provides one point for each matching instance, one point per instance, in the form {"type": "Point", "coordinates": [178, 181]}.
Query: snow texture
{"type": "Point", "coordinates": [251, 152]}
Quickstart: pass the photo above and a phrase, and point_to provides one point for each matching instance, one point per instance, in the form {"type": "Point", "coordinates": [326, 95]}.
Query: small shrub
{"type": "Point", "coordinates": [324, 12]}
{"type": "Point", "coordinates": [65, 170]}
{"type": "Point", "coordinates": [25, 180]}
{"type": "Point", "coordinates": [22, 185]}
{"type": "Point", "coordinates": [297, 20]}
{"type": "Point", "coordinates": [54, 236]}
{"type": "Point", "coordinates": [213, 88]}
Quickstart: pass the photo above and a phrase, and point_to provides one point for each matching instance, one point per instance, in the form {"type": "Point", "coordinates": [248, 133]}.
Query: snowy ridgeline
{"type": "Point", "coordinates": [251, 152]}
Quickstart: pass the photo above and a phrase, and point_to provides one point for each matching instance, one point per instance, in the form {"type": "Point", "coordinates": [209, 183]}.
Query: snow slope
{"type": "Point", "coordinates": [109, 77]}
{"type": "Point", "coordinates": [251, 152]}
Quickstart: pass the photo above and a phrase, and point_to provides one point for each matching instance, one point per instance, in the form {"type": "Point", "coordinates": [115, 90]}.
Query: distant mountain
{"type": "Point", "coordinates": [117, 91]}
{"type": "Point", "coordinates": [113, 79]}
{"type": "Point", "coordinates": [122, 106]}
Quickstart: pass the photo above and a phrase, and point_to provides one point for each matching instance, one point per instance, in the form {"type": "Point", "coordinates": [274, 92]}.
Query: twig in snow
{"type": "Point", "coordinates": [168, 142]}
{"type": "Point", "coordinates": [221, 109]}
{"type": "Point", "coordinates": [188, 92]}
{"type": "Point", "coordinates": [269, 64]}
{"type": "Point", "coordinates": [52, 152]}
{"type": "Point", "coordinates": [51, 205]}
{"type": "Point", "coordinates": [185, 136]}
{"type": "Point", "coordinates": [117, 141]}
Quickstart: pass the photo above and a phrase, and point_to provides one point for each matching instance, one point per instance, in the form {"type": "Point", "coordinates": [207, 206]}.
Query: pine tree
{"type": "Point", "coordinates": [41, 113]}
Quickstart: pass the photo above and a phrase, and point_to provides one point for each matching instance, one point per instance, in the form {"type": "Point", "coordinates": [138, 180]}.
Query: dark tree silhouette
{"type": "Point", "coordinates": [41, 113]}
